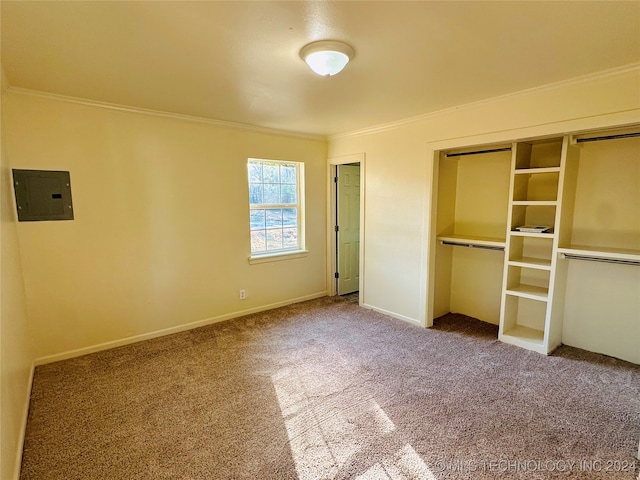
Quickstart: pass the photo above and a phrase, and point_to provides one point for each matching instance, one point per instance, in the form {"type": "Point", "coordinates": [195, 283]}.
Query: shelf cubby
{"type": "Point", "coordinates": [524, 323]}
{"type": "Point", "coordinates": [527, 282]}
{"type": "Point", "coordinates": [536, 186]}
{"type": "Point", "coordinates": [538, 154]}
{"type": "Point", "coordinates": [520, 335]}
{"type": "Point", "coordinates": [532, 213]}
{"type": "Point", "coordinates": [536, 248]}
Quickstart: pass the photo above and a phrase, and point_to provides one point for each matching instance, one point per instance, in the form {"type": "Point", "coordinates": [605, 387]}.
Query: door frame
{"type": "Point", "coordinates": [332, 164]}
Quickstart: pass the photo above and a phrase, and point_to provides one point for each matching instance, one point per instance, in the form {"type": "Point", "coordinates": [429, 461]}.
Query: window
{"type": "Point", "coordinates": [275, 203]}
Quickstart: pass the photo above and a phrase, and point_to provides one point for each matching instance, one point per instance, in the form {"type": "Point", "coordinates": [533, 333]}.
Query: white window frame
{"type": "Point", "coordinates": [289, 252]}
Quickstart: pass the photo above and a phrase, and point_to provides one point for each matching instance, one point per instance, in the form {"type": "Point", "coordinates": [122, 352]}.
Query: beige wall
{"type": "Point", "coordinates": [15, 346]}
{"type": "Point", "coordinates": [160, 237]}
{"type": "Point", "coordinates": [400, 160]}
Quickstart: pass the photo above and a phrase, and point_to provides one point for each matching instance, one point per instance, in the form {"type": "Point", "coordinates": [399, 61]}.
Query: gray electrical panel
{"type": "Point", "coordinates": [42, 195]}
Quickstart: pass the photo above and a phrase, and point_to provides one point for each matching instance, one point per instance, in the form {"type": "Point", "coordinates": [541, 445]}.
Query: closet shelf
{"type": "Point", "coordinates": [528, 171]}
{"type": "Point", "coordinates": [614, 255]}
{"type": "Point", "coordinates": [535, 203]}
{"type": "Point", "coordinates": [524, 337]}
{"type": "Point", "coordinates": [529, 291]}
{"type": "Point", "coordinates": [530, 262]}
{"type": "Point", "coordinates": [515, 233]}
{"type": "Point", "coordinates": [493, 243]}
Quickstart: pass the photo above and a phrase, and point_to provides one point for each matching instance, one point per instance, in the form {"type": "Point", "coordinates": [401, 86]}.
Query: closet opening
{"type": "Point", "coordinates": [542, 238]}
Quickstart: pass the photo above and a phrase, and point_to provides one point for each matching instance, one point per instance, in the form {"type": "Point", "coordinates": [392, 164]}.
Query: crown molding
{"type": "Point", "coordinates": [162, 114]}
{"type": "Point", "coordinates": [631, 68]}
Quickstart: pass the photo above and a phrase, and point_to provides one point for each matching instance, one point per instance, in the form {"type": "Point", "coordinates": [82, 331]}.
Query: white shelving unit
{"type": "Point", "coordinates": [535, 198]}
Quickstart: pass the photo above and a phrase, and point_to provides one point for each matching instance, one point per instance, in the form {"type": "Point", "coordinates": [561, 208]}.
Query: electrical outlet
{"type": "Point", "coordinates": [243, 294]}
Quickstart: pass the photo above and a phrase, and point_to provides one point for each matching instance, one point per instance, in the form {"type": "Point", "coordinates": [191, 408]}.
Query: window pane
{"type": "Point", "coordinates": [255, 193]}
{"type": "Point", "coordinates": [271, 193]}
{"type": "Point", "coordinates": [288, 174]}
{"type": "Point", "coordinates": [274, 218]}
{"type": "Point", "coordinates": [258, 241]}
{"type": "Point", "coordinates": [271, 173]}
{"type": "Point", "coordinates": [289, 237]}
{"type": "Point", "coordinates": [255, 172]}
{"type": "Point", "coordinates": [288, 194]}
{"type": "Point", "coordinates": [271, 184]}
{"type": "Point", "coordinates": [257, 219]}
{"type": "Point", "coordinates": [274, 239]}
{"type": "Point", "coordinates": [289, 217]}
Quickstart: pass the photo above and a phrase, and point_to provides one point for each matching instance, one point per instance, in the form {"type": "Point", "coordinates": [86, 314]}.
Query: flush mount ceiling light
{"type": "Point", "coordinates": [327, 57]}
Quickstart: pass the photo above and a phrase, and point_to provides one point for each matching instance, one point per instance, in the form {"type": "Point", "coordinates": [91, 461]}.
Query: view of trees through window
{"type": "Point", "coordinates": [274, 205]}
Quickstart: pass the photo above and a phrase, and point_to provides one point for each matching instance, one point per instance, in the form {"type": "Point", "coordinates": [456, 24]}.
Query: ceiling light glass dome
{"type": "Point", "coordinates": [326, 57]}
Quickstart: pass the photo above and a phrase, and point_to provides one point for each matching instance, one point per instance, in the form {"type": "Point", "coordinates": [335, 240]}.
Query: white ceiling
{"type": "Point", "coordinates": [239, 61]}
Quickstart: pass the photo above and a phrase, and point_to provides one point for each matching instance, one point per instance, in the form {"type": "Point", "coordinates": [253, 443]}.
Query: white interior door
{"type": "Point", "coordinates": [348, 232]}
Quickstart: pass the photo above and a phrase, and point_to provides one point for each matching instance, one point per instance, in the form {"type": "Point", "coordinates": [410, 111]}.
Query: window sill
{"type": "Point", "coordinates": [277, 257]}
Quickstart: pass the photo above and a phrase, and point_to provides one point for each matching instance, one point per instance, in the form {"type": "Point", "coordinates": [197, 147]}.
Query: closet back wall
{"type": "Point", "coordinates": [161, 231]}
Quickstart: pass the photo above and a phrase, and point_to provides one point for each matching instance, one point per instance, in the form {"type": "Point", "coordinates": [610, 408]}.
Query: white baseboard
{"type": "Point", "coordinates": [168, 331]}
{"type": "Point", "coordinates": [404, 318]}
{"type": "Point", "coordinates": [23, 427]}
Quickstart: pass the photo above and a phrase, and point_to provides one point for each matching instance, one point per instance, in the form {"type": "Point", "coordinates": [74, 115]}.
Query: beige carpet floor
{"type": "Point", "coordinates": [328, 390]}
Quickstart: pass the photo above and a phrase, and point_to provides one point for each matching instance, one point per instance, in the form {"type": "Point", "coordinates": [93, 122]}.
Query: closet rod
{"type": "Point", "coordinates": [608, 137]}
{"type": "Point", "coordinates": [471, 245]}
{"type": "Point", "coordinates": [571, 256]}
{"type": "Point", "coordinates": [477, 152]}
